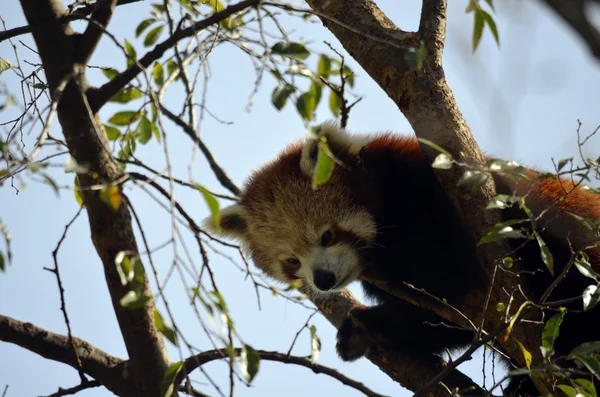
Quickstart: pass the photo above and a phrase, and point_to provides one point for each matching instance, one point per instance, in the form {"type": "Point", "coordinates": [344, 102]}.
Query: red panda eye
{"type": "Point", "coordinates": [326, 238]}
{"type": "Point", "coordinates": [292, 262]}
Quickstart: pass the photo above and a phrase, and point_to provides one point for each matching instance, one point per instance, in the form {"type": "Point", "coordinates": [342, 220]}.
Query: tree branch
{"type": "Point", "coordinates": [216, 168]}
{"type": "Point", "coordinates": [101, 366]}
{"type": "Point", "coordinates": [80, 13]}
{"type": "Point", "coordinates": [111, 230]}
{"type": "Point", "coordinates": [198, 360]}
{"type": "Point", "coordinates": [573, 12]}
{"type": "Point", "coordinates": [75, 389]}
{"type": "Point", "coordinates": [98, 97]}
{"type": "Point", "coordinates": [412, 372]}
{"type": "Point", "coordinates": [427, 102]}
{"type": "Point", "coordinates": [93, 33]}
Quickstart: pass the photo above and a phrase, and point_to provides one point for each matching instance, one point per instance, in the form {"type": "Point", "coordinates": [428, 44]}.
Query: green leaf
{"type": "Point", "coordinates": [77, 192]}
{"type": "Point", "coordinates": [586, 269]}
{"type": "Point", "coordinates": [143, 26]}
{"type": "Point", "coordinates": [316, 89]}
{"type": "Point", "coordinates": [348, 75]}
{"type": "Point", "coordinates": [492, 25]}
{"type": "Point", "coordinates": [434, 145]}
{"type": "Point", "coordinates": [213, 206]}
{"type": "Point", "coordinates": [144, 130]}
{"type": "Point", "coordinates": [477, 28]}
{"type": "Point", "coordinates": [507, 262]}
{"type": "Point", "coordinates": [551, 332]}
{"type": "Point", "coordinates": [324, 166]}
{"type": "Point", "coordinates": [587, 386]}
{"type": "Point", "coordinates": [546, 254]}
{"type": "Point", "coordinates": [503, 230]}
{"type": "Point", "coordinates": [111, 196]}
{"type": "Point", "coordinates": [414, 58]}
{"type": "Point", "coordinates": [110, 72]}
{"type": "Point", "coordinates": [131, 54]}
{"type": "Point", "coordinates": [306, 105]}
{"type": "Point", "coordinates": [291, 50]}
{"type": "Point", "coordinates": [113, 133]}
{"type": "Point", "coordinates": [153, 35]}
{"type": "Point", "coordinates": [172, 67]}
{"type": "Point", "coordinates": [167, 383]}
{"type": "Point", "coordinates": [526, 355]}
{"type": "Point", "coordinates": [164, 328]}
{"type": "Point", "coordinates": [4, 65]}
{"type": "Point", "coordinates": [158, 74]}
{"type": "Point", "coordinates": [2, 262]}
{"type": "Point", "coordinates": [442, 161]}
{"type": "Point", "coordinates": [134, 300]}
{"type": "Point", "coordinates": [50, 181]}
{"type": "Point", "coordinates": [585, 348]}
{"type": "Point", "coordinates": [156, 132]}
{"type": "Point", "coordinates": [335, 103]}
{"type": "Point", "coordinates": [473, 178]}
{"type": "Point", "coordinates": [502, 201]}
{"type": "Point", "coordinates": [592, 363]}
{"type": "Point", "coordinates": [250, 362]}
{"type": "Point", "coordinates": [124, 267]}
{"type": "Point", "coordinates": [281, 94]}
{"type": "Point", "coordinates": [324, 66]}
{"type": "Point", "coordinates": [591, 296]}
{"type": "Point", "coordinates": [124, 118]}
{"type": "Point", "coordinates": [315, 344]}
{"type": "Point", "coordinates": [126, 94]}
{"type": "Point", "coordinates": [568, 390]}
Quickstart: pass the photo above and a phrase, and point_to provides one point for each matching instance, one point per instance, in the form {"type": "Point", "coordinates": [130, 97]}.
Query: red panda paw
{"type": "Point", "coordinates": [352, 342]}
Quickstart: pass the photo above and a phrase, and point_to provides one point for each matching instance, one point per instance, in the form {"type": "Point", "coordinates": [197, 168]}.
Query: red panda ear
{"type": "Point", "coordinates": [233, 222]}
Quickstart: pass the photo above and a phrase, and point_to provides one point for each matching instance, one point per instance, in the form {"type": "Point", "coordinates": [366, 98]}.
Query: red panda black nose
{"type": "Point", "coordinates": [324, 280]}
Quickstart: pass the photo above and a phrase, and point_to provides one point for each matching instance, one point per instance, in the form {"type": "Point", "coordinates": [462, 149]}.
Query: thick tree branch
{"type": "Point", "coordinates": [111, 230]}
{"type": "Point", "coordinates": [412, 372]}
{"type": "Point", "coordinates": [427, 102]}
{"type": "Point", "coordinates": [100, 96]}
{"type": "Point", "coordinates": [103, 367]}
{"type": "Point", "coordinates": [200, 359]}
{"type": "Point", "coordinates": [98, 21]}
{"type": "Point", "coordinates": [80, 13]}
{"type": "Point", "coordinates": [573, 12]}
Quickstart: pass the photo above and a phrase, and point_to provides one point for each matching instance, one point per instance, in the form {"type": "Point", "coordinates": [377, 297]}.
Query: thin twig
{"type": "Point", "coordinates": [61, 290]}
{"type": "Point", "coordinates": [226, 182]}
{"type": "Point", "coordinates": [75, 389]}
{"type": "Point", "coordinates": [100, 96]}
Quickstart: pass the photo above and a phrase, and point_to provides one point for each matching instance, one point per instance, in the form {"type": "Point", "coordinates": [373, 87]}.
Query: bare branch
{"type": "Point", "coordinates": [200, 359]}
{"type": "Point", "coordinates": [61, 290]}
{"type": "Point", "coordinates": [80, 13]}
{"type": "Point", "coordinates": [99, 365]}
{"type": "Point", "coordinates": [189, 130]}
{"type": "Point", "coordinates": [98, 21]}
{"type": "Point", "coordinates": [100, 96]}
{"type": "Point", "coordinates": [75, 389]}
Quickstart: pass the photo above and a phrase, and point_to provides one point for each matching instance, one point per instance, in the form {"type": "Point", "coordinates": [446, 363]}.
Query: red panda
{"type": "Point", "coordinates": [384, 211]}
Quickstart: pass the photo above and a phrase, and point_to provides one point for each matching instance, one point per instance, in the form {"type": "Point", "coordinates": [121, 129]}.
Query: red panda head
{"type": "Point", "coordinates": [293, 231]}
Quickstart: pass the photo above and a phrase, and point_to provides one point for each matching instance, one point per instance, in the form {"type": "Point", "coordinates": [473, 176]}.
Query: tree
{"type": "Point", "coordinates": [396, 60]}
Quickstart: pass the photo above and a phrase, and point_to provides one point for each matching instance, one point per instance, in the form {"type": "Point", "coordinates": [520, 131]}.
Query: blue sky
{"type": "Point", "coordinates": [522, 102]}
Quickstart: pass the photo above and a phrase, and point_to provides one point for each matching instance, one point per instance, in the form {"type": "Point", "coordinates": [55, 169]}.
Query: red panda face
{"type": "Point", "coordinates": [295, 232]}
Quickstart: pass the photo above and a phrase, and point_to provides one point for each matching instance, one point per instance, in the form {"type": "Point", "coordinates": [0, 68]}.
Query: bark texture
{"type": "Point", "coordinates": [111, 231]}
{"type": "Point", "coordinates": [427, 102]}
